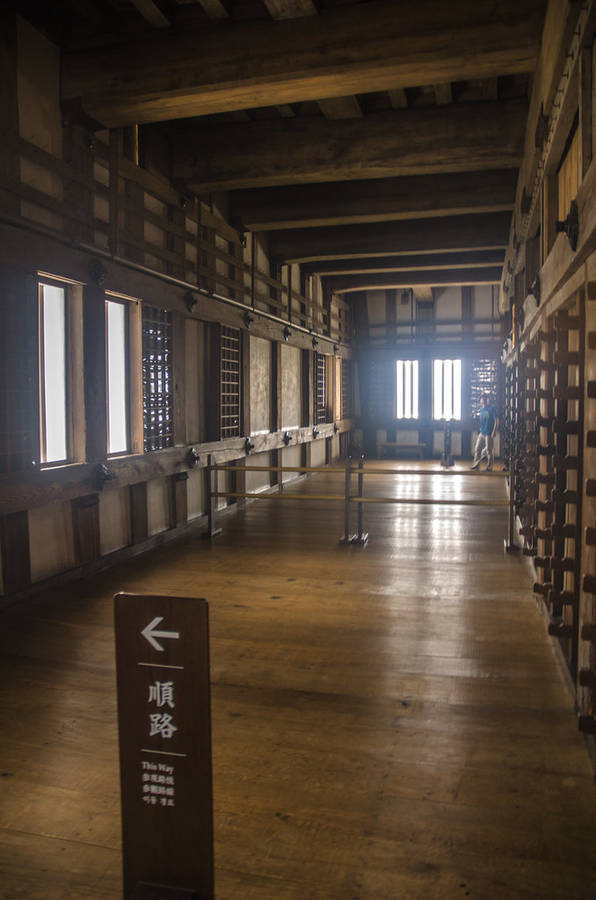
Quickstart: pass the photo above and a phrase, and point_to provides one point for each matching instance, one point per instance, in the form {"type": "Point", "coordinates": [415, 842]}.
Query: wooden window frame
{"type": "Point", "coordinates": [133, 361]}
{"type": "Point", "coordinates": [73, 374]}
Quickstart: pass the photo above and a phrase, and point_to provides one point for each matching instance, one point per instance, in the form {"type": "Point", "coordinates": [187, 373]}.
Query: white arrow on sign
{"type": "Point", "coordinates": [149, 633]}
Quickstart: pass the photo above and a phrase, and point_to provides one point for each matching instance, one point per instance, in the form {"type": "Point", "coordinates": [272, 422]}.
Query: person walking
{"type": "Point", "coordinates": [486, 434]}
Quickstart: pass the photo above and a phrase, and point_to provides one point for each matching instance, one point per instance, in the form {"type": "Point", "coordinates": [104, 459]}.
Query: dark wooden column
{"type": "Point", "coordinates": [19, 390]}
{"type": "Point", "coordinates": [9, 163]}
{"type": "Point", "coordinates": [94, 354]}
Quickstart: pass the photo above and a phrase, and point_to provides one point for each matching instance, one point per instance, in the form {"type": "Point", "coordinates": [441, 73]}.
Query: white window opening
{"type": "Point", "coordinates": [407, 389]}
{"type": "Point", "coordinates": [117, 376]}
{"type": "Point", "coordinates": [52, 368]}
{"type": "Point", "coordinates": [447, 389]}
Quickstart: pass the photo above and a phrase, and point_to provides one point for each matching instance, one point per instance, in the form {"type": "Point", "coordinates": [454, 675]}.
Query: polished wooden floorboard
{"type": "Point", "coordinates": [388, 721]}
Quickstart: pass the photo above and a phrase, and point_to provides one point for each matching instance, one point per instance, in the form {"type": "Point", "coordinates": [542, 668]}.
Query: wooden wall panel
{"type": "Point", "coordinates": [317, 452]}
{"type": "Point", "coordinates": [114, 520]}
{"type": "Point", "coordinates": [51, 540]}
{"type": "Point", "coordinates": [179, 495]}
{"type": "Point", "coordinates": [14, 548]}
{"type": "Point", "coordinates": [159, 505]}
{"type": "Point", "coordinates": [256, 481]}
{"type": "Point", "coordinates": [260, 385]}
{"type": "Point", "coordinates": [291, 456]}
{"type": "Point", "coordinates": [196, 493]}
{"type": "Point", "coordinates": [291, 391]}
{"type": "Point", "coordinates": [85, 525]}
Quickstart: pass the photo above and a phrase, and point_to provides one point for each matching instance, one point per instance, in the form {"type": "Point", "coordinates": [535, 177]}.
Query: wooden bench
{"type": "Point", "coordinates": [411, 449]}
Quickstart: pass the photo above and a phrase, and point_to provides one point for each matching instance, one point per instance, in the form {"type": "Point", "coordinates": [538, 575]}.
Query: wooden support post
{"type": "Point", "coordinates": [212, 531]}
{"type": "Point", "coordinates": [347, 537]}
{"type": "Point", "coordinates": [9, 160]}
{"type": "Point", "coordinates": [362, 537]}
{"type": "Point", "coordinates": [178, 366]}
{"type": "Point", "coordinates": [94, 356]}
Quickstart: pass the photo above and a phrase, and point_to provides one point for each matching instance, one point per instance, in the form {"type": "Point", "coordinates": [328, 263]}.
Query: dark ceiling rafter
{"type": "Point", "coordinates": [354, 49]}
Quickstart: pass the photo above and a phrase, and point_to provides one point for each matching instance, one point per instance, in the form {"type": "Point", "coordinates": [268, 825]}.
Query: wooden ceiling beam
{"type": "Point", "coordinates": [469, 259]}
{"type": "Point", "coordinates": [453, 233]}
{"type": "Point", "coordinates": [341, 284]}
{"type": "Point", "coordinates": [290, 9]}
{"type": "Point", "coordinates": [151, 13]}
{"type": "Point", "coordinates": [376, 200]}
{"type": "Point", "coordinates": [458, 138]}
{"type": "Point", "coordinates": [215, 9]}
{"type": "Point", "coordinates": [354, 49]}
{"type": "Point", "coordinates": [341, 108]}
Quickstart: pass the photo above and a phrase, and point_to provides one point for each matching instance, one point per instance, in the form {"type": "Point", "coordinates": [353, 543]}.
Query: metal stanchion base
{"type": "Point", "coordinates": [360, 539]}
{"type": "Point", "coordinates": [350, 539]}
{"type": "Point", "coordinates": [511, 548]}
{"type": "Point", "coordinates": [207, 535]}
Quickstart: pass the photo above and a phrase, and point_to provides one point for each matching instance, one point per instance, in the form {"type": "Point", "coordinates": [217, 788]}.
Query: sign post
{"type": "Point", "coordinates": [164, 721]}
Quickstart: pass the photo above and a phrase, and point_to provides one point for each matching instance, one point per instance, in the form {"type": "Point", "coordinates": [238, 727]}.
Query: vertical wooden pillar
{"type": "Point", "coordinates": [178, 373]}
{"type": "Point", "coordinates": [213, 380]}
{"type": "Point", "coordinates": [585, 109]}
{"type": "Point", "coordinates": [307, 388]}
{"type": "Point", "coordinates": [94, 355]}
{"type": "Point", "coordinates": [276, 407]}
{"type": "Point", "coordinates": [19, 389]}
{"type": "Point", "coordinates": [9, 161]}
{"type": "Point", "coordinates": [115, 152]}
{"type": "Point", "coordinates": [245, 424]}
{"type": "Point", "coordinates": [14, 546]}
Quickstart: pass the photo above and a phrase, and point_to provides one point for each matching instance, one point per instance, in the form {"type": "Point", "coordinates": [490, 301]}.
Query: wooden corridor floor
{"type": "Point", "coordinates": [388, 721]}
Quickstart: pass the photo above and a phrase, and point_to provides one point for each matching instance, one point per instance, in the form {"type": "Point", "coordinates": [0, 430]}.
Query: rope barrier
{"type": "Point", "coordinates": [361, 537]}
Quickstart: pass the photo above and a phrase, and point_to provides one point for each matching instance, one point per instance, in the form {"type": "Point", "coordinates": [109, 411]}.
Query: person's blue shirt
{"type": "Point", "coordinates": [488, 418]}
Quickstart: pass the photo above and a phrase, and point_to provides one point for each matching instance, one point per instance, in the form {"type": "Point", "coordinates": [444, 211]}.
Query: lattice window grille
{"type": "Point", "coordinates": [320, 385]}
{"type": "Point", "coordinates": [158, 400]}
{"type": "Point", "coordinates": [230, 382]}
{"type": "Point", "coordinates": [483, 381]}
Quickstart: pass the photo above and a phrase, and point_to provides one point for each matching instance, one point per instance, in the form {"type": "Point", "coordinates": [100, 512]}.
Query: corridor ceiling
{"type": "Point", "coordinates": [378, 143]}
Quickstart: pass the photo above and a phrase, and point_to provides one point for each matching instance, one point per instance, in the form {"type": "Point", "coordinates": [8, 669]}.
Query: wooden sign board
{"type": "Point", "coordinates": [162, 664]}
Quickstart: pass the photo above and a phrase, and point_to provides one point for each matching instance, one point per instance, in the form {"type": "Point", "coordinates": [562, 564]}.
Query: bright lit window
{"type": "Point", "coordinates": [407, 389]}
{"type": "Point", "coordinates": [52, 369]}
{"type": "Point", "coordinates": [117, 376]}
{"type": "Point", "coordinates": [447, 389]}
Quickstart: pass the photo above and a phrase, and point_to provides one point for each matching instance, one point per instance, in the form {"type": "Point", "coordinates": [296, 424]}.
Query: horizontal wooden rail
{"type": "Point", "coordinates": [282, 495]}
{"type": "Point", "coordinates": [430, 502]}
{"type": "Point", "coordinates": [264, 495]}
{"type": "Point", "coordinates": [224, 468]}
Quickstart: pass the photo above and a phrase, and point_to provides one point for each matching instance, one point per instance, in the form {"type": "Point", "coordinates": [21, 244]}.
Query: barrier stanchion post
{"type": "Point", "coordinates": [511, 546]}
{"type": "Point", "coordinates": [347, 537]}
{"type": "Point", "coordinates": [362, 536]}
{"type": "Point", "coordinates": [212, 531]}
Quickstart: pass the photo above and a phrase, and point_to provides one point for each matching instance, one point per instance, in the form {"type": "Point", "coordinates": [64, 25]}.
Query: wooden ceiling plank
{"type": "Point", "coordinates": [470, 259]}
{"type": "Point", "coordinates": [376, 200]}
{"type": "Point", "coordinates": [290, 9]}
{"type": "Point", "coordinates": [458, 138]}
{"type": "Point", "coordinates": [215, 9]}
{"type": "Point", "coordinates": [430, 278]}
{"type": "Point", "coordinates": [341, 108]}
{"type": "Point", "coordinates": [443, 94]}
{"type": "Point", "coordinates": [450, 234]}
{"type": "Point", "coordinates": [152, 13]}
{"type": "Point", "coordinates": [398, 98]}
{"type": "Point", "coordinates": [354, 49]}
